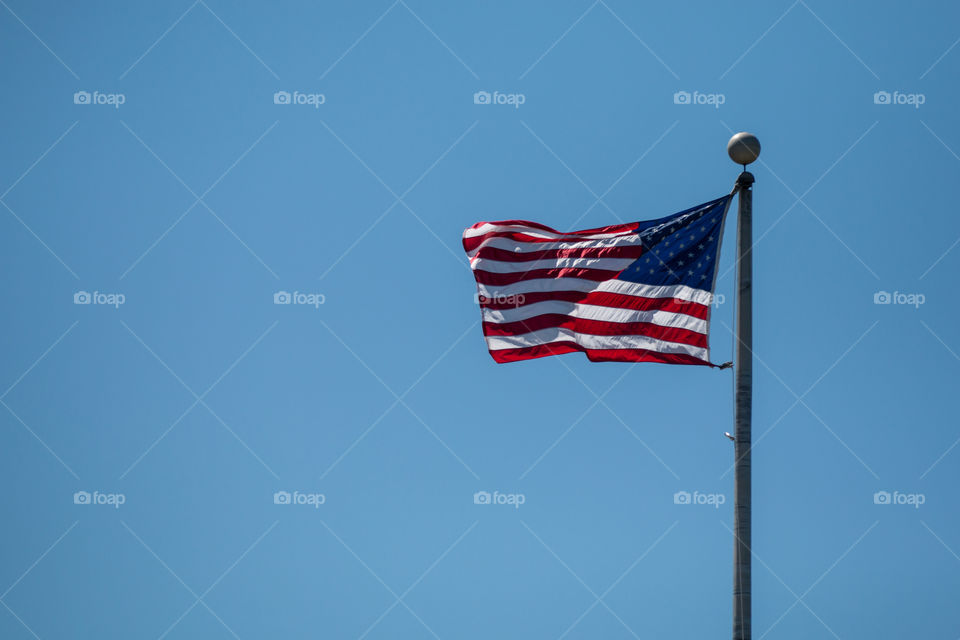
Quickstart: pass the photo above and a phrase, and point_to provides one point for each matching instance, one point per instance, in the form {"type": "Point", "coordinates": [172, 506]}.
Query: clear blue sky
{"type": "Point", "coordinates": [194, 401]}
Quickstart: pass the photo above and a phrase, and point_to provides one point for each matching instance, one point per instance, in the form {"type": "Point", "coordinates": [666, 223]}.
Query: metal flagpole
{"type": "Point", "coordinates": [743, 149]}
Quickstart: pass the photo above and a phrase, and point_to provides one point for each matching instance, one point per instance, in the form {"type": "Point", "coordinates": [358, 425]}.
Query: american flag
{"type": "Point", "coordinates": [636, 292]}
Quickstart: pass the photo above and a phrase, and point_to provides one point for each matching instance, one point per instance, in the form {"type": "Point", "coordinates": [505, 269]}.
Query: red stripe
{"type": "Point", "coordinates": [506, 255]}
{"type": "Point", "coordinates": [501, 279]}
{"type": "Point", "coordinates": [613, 228]}
{"type": "Point", "coordinates": [516, 223]}
{"type": "Point", "coordinates": [596, 328]}
{"type": "Point", "coordinates": [600, 299]}
{"type": "Point", "coordinates": [595, 355]}
{"type": "Point", "coordinates": [469, 244]}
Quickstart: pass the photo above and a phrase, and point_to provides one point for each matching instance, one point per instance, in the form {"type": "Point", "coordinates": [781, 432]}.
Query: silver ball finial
{"type": "Point", "coordinates": [743, 148]}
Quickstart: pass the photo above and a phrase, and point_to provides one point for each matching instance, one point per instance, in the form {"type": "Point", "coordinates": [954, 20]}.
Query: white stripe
{"type": "Point", "coordinates": [486, 228]}
{"type": "Point", "coordinates": [679, 291]}
{"type": "Point", "coordinates": [546, 336]}
{"type": "Point", "coordinates": [536, 285]}
{"type": "Point", "coordinates": [500, 266]}
{"type": "Point", "coordinates": [595, 312]}
{"type": "Point", "coordinates": [509, 244]}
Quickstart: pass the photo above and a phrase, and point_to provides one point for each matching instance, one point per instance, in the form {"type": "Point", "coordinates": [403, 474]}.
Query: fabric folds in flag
{"type": "Point", "coordinates": [635, 292]}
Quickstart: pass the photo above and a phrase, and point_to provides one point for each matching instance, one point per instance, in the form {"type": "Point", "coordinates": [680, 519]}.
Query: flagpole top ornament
{"type": "Point", "coordinates": [743, 148]}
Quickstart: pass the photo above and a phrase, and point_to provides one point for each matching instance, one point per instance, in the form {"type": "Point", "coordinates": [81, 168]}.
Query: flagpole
{"type": "Point", "coordinates": [743, 149]}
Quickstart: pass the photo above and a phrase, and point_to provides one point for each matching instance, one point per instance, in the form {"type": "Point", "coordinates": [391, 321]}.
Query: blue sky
{"type": "Point", "coordinates": [150, 162]}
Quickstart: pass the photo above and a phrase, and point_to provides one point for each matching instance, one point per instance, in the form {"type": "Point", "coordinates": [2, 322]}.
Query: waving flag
{"type": "Point", "coordinates": [625, 293]}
